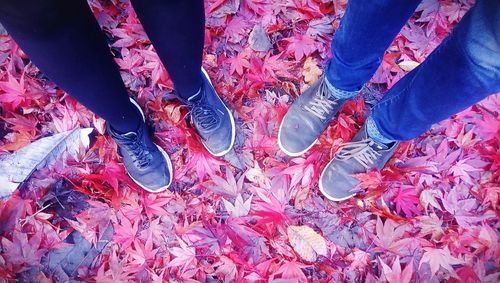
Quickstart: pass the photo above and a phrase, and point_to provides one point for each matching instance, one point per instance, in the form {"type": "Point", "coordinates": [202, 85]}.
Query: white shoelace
{"type": "Point", "coordinates": [362, 151]}
{"type": "Point", "coordinates": [321, 104]}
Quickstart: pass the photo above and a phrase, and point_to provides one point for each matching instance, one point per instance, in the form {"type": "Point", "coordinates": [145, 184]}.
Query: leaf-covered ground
{"type": "Point", "coordinates": [431, 215]}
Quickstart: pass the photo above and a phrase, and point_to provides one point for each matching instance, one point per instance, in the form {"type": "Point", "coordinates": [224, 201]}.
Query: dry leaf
{"type": "Point", "coordinates": [306, 242]}
{"type": "Point", "coordinates": [17, 167]}
{"type": "Point", "coordinates": [408, 65]}
{"type": "Point", "coordinates": [311, 71]}
{"type": "Point", "coordinates": [258, 39]}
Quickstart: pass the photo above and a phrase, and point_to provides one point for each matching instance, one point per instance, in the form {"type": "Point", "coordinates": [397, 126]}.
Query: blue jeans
{"type": "Point", "coordinates": [462, 70]}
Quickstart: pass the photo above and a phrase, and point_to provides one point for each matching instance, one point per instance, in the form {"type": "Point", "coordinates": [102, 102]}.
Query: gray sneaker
{"type": "Point", "coordinates": [145, 162]}
{"type": "Point", "coordinates": [337, 181]}
{"type": "Point", "coordinates": [307, 118]}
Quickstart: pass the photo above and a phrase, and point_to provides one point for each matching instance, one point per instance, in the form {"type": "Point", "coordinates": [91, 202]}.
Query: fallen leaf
{"type": "Point", "coordinates": [306, 242]}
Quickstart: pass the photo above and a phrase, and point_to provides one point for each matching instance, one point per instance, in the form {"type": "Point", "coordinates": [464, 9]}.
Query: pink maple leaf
{"type": "Point", "coordinates": [301, 45]}
{"type": "Point", "coordinates": [125, 233]}
{"type": "Point", "coordinates": [393, 274]}
{"type": "Point", "coordinates": [440, 258]}
{"type": "Point", "coordinates": [185, 256]}
{"type": "Point", "coordinates": [389, 236]}
{"type": "Point", "coordinates": [291, 271]}
{"type": "Point", "coordinates": [22, 252]}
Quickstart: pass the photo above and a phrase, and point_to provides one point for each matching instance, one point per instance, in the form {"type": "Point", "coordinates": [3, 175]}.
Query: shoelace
{"type": "Point", "coordinates": [141, 155]}
{"type": "Point", "coordinates": [321, 103]}
{"type": "Point", "coordinates": [362, 151]}
{"type": "Point", "coordinates": [205, 117]}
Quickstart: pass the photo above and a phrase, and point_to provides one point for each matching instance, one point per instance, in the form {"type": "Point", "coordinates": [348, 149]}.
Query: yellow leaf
{"type": "Point", "coordinates": [311, 71]}
{"type": "Point", "coordinates": [306, 242]}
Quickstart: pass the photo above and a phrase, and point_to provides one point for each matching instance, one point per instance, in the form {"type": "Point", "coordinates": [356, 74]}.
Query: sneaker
{"type": "Point", "coordinates": [211, 118]}
{"type": "Point", "coordinates": [337, 181]}
{"type": "Point", "coordinates": [308, 117]}
{"type": "Point", "coordinates": [145, 162]}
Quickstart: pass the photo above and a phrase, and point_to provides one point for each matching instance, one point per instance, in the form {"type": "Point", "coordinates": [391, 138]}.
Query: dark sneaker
{"type": "Point", "coordinates": [212, 119]}
{"type": "Point", "coordinates": [337, 181]}
{"type": "Point", "coordinates": [308, 117]}
{"type": "Point", "coordinates": [146, 163]}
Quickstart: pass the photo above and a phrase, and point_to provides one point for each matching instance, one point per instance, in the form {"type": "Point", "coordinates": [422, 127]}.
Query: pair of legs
{"type": "Point", "coordinates": [65, 41]}
{"type": "Point", "coordinates": [464, 69]}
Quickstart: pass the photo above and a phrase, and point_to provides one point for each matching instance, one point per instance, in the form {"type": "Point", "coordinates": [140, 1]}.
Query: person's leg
{"type": "Point", "coordinates": [64, 40]}
{"type": "Point", "coordinates": [463, 70]}
{"type": "Point", "coordinates": [177, 29]}
{"type": "Point", "coordinates": [365, 32]}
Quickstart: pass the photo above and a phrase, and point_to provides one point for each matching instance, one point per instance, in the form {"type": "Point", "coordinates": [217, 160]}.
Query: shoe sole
{"type": "Point", "coordinates": [289, 153]}
{"type": "Point", "coordinates": [322, 190]}
{"type": "Point", "coordinates": [233, 127]}
{"type": "Point", "coordinates": [165, 155]}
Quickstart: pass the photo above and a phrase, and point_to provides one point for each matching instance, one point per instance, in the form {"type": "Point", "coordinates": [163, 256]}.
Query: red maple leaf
{"type": "Point", "coordinates": [238, 63]}
{"type": "Point", "coordinates": [406, 200]}
{"type": "Point", "coordinates": [13, 92]}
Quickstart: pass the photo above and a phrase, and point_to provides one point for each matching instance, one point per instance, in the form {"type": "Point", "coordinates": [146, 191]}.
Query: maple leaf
{"type": "Point", "coordinates": [306, 242]}
{"type": "Point", "coordinates": [235, 29]}
{"type": "Point", "coordinates": [369, 180]}
{"type": "Point", "coordinates": [389, 236]}
{"type": "Point", "coordinates": [142, 254]}
{"type": "Point", "coordinates": [428, 197]}
{"type": "Point", "coordinates": [13, 92]}
{"type": "Point", "coordinates": [300, 46]}
{"type": "Point", "coordinates": [154, 204]}
{"type": "Point", "coordinates": [271, 213]}
{"type": "Point", "coordinates": [117, 271]}
{"type": "Point", "coordinates": [240, 207]}
{"type": "Point", "coordinates": [291, 271]}
{"type": "Point", "coordinates": [320, 27]}
{"type": "Point", "coordinates": [200, 160]}
{"type": "Point", "coordinates": [185, 256]}
{"type": "Point", "coordinates": [208, 236]}
{"type": "Point", "coordinates": [112, 173]}
{"type": "Point", "coordinates": [238, 63]}
{"type": "Point", "coordinates": [257, 6]}
{"type": "Point", "coordinates": [276, 67]}
{"type": "Point", "coordinates": [407, 200]}
{"type": "Point", "coordinates": [430, 224]}
{"type": "Point", "coordinates": [226, 269]}
{"type": "Point", "coordinates": [440, 258]}
{"type": "Point", "coordinates": [459, 203]}
{"type": "Point", "coordinates": [125, 233]}
{"type": "Point", "coordinates": [21, 251]}
{"type": "Point", "coordinates": [359, 259]}
{"type": "Point", "coordinates": [462, 170]}
{"type": "Point", "coordinates": [393, 274]}
{"type": "Point", "coordinates": [252, 242]}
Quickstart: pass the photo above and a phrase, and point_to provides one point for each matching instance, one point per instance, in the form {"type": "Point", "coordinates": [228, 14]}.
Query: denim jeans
{"type": "Point", "coordinates": [462, 70]}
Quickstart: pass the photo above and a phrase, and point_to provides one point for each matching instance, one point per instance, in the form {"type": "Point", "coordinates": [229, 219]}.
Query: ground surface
{"type": "Point", "coordinates": [430, 216]}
